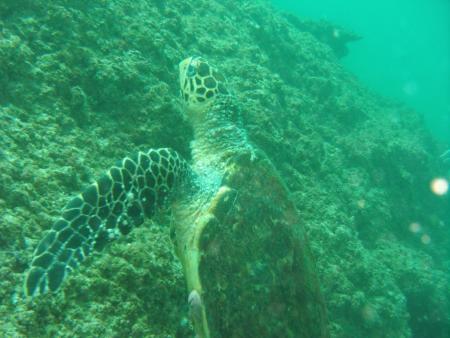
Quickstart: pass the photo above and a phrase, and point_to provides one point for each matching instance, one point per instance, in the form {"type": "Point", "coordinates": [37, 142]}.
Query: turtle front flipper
{"type": "Point", "coordinates": [130, 191]}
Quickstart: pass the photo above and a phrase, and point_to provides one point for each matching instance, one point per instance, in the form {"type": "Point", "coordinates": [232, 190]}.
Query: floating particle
{"type": "Point", "coordinates": [425, 239]}
{"type": "Point", "coordinates": [336, 33]}
{"type": "Point", "coordinates": [414, 227]}
{"type": "Point", "coordinates": [362, 203]}
{"type": "Point", "coordinates": [439, 186]}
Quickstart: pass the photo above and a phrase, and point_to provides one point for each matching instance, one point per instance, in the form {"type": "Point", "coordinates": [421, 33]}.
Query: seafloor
{"type": "Point", "coordinates": [83, 83]}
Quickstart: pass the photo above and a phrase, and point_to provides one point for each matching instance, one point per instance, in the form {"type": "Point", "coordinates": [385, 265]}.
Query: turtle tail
{"type": "Point", "coordinates": [112, 206]}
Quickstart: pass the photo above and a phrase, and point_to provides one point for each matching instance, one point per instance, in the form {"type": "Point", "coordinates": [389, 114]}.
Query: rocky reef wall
{"type": "Point", "coordinates": [83, 83]}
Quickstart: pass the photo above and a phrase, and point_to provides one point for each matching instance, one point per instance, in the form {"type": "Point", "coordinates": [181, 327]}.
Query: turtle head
{"type": "Point", "coordinates": [200, 84]}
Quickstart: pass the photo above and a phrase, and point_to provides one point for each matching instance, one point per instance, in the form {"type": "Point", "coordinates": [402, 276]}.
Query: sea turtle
{"type": "Point", "coordinates": [244, 252]}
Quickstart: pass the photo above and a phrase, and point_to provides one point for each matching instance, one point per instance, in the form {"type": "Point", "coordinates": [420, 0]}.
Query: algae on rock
{"type": "Point", "coordinates": [357, 165]}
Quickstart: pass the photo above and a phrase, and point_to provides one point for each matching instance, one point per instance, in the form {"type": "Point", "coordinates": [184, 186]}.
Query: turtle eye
{"type": "Point", "coordinates": [191, 70]}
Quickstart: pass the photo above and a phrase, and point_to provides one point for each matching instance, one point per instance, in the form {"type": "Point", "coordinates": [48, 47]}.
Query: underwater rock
{"type": "Point", "coordinates": [357, 165]}
{"type": "Point", "coordinates": [78, 106]}
{"type": "Point", "coordinates": [326, 32]}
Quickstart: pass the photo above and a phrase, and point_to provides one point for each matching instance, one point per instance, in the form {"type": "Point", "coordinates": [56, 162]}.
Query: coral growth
{"type": "Point", "coordinates": [87, 82]}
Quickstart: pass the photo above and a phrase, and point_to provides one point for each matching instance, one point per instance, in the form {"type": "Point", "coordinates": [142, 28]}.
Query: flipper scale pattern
{"type": "Point", "coordinates": [133, 189]}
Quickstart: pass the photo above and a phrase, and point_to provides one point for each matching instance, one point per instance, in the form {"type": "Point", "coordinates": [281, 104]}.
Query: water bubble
{"type": "Point", "coordinates": [410, 88]}
{"type": "Point", "coordinates": [439, 186]}
{"type": "Point", "coordinates": [425, 239]}
{"type": "Point", "coordinates": [414, 227]}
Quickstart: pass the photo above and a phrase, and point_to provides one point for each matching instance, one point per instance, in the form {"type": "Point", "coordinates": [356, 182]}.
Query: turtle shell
{"type": "Point", "coordinates": [257, 272]}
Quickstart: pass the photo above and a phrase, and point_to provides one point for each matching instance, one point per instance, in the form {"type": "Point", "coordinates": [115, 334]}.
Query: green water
{"type": "Point", "coordinates": [404, 53]}
{"type": "Point", "coordinates": [332, 218]}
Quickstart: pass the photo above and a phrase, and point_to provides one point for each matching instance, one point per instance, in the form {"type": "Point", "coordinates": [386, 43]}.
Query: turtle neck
{"type": "Point", "coordinates": [218, 136]}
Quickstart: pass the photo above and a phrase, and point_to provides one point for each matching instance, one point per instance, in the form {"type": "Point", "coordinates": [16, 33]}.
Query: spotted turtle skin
{"type": "Point", "coordinates": [134, 189]}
